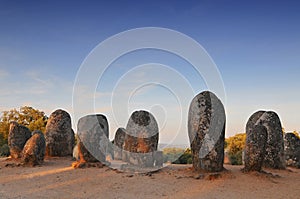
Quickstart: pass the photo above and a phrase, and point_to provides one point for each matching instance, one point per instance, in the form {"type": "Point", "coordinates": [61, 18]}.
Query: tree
{"type": "Point", "coordinates": [235, 146]}
{"type": "Point", "coordinates": [33, 119]}
{"type": "Point", "coordinates": [185, 158]}
{"type": "Point", "coordinates": [172, 154]}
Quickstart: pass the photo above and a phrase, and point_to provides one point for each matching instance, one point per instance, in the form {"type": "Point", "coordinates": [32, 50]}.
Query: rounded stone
{"type": "Point", "coordinates": [17, 137]}
{"type": "Point", "coordinates": [93, 132]}
{"type": "Point", "coordinates": [60, 138]}
{"type": "Point", "coordinates": [141, 139]}
{"type": "Point", "coordinates": [34, 149]}
{"type": "Point", "coordinates": [274, 148]}
{"type": "Point", "coordinates": [141, 133]}
{"type": "Point", "coordinates": [206, 128]}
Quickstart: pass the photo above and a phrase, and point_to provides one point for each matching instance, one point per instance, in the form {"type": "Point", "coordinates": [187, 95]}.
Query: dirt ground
{"type": "Point", "coordinates": [57, 179]}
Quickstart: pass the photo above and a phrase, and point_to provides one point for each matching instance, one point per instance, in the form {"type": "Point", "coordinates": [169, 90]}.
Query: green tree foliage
{"type": "Point", "coordinates": [185, 158]}
{"type": "Point", "coordinates": [4, 150]}
{"type": "Point", "coordinates": [31, 118]}
{"type": "Point", "coordinates": [235, 146]}
{"type": "Point", "coordinates": [172, 154]}
{"type": "Point", "coordinates": [177, 155]}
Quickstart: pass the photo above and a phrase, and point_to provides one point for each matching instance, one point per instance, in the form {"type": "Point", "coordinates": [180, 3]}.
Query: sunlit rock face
{"type": "Point", "coordinates": [206, 128]}
{"type": "Point", "coordinates": [59, 135]}
{"type": "Point", "coordinates": [292, 150]}
{"type": "Point", "coordinates": [17, 137]}
{"type": "Point", "coordinates": [34, 149]}
{"type": "Point", "coordinates": [269, 147]}
{"type": "Point", "coordinates": [93, 132]}
{"type": "Point", "coordinates": [141, 139]}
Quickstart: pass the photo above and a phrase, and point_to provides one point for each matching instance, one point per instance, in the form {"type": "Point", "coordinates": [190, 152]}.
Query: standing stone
{"type": "Point", "coordinates": [206, 127]}
{"type": "Point", "coordinates": [292, 150]}
{"type": "Point", "coordinates": [93, 138]}
{"type": "Point", "coordinates": [118, 143]}
{"type": "Point", "coordinates": [59, 134]}
{"type": "Point", "coordinates": [256, 141]}
{"type": "Point", "coordinates": [17, 137]}
{"type": "Point", "coordinates": [274, 146]}
{"type": "Point", "coordinates": [34, 149]}
{"type": "Point", "coordinates": [274, 157]}
{"type": "Point", "coordinates": [141, 139]}
{"type": "Point", "coordinates": [142, 132]}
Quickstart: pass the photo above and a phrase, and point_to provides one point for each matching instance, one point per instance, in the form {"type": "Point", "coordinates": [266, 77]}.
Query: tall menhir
{"type": "Point", "coordinates": [206, 128]}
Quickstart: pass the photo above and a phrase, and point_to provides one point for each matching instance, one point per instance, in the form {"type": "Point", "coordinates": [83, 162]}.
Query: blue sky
{"type": "Point", "coordinates": [255, 45]}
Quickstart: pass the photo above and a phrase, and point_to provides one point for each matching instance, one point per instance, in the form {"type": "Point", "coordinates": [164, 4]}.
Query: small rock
{"type": "Point", "coordinates": [34, 149]}
{"type": "Point", "coordinates": [129, 175]}
{"type": "Point", "coordinates": [198, 176]}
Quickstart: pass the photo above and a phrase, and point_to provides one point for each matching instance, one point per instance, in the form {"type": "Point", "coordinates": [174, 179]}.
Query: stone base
{"type": "Point", "coordinates": [118, 153]}
{"type": "Point", "coordinates": [158, 158]}
{"type": "Point", "coordinates": [143, 160]}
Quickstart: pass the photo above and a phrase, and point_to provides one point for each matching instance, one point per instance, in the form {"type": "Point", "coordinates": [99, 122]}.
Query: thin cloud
{"type": "Point", "coordinates": [4, 74]}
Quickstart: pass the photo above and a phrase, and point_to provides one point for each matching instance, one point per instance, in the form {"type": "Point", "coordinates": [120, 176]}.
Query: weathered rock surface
{"type": "Point", "coordinates": [59, 135]}
{"type": "Point", "coordinates": [158, 158]}
{"type": "Point", "coordinates": [274, 146]}
{"type": "Point", "coordinates": [34, 149]}
{"type": "Point", "coordinates": [93, 138]}
{"type": "Point", "coordinates": [142, 133]}
{"type": "Point", "coordinates": [141, 160]}
{"type": "Point", "coordinates": [118, 143]}
{"type": "Point", "coordinates": [141, 139]}
{"type": "Point", "coordinates": [256, 141]}
{"type": "Point", "coordinates": [292, 150]}
{"type": "Point", "coordinates": [17, 137]}
{"type": "Point", "coordinates": [206, 127]}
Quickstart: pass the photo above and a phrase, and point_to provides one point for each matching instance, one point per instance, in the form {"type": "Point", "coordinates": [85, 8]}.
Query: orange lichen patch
{"type": "Point", "coordinates": [142, 147]}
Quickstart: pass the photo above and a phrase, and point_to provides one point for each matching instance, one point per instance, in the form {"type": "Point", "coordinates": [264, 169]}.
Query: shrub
{"type": "Point", "coordinates": [185, 158]}
{"type": "Point", "coordinates": [236, 158]}
{"type": "Point", "coordinates": [4, 150]}
{"type": "Point", "coordinates": [172, 154]}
